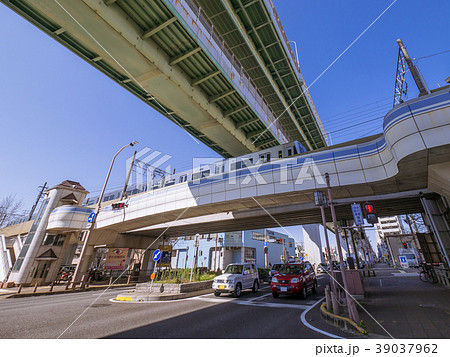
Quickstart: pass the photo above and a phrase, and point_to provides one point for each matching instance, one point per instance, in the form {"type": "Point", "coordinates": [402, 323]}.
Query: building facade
{"type": "Point", "coordinates": [31, 253]}
{"type": "Point", "coordinates": [385, 227]}
{"type": "Point", "coordinates": [216, 251]}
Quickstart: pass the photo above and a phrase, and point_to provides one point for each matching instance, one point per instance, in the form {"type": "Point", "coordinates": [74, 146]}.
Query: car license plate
{"type": "Point", "coordinates": [283, 288]}
{"type": "Point", "coordinates": [221, 286]}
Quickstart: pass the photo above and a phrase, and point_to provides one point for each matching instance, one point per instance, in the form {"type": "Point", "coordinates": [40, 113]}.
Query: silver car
{"type": "Point", "coordinates": [236, 278]}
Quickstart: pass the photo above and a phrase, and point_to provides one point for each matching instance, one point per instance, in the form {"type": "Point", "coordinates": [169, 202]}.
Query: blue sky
{"type": "Point", "coordinates": [62, 119]}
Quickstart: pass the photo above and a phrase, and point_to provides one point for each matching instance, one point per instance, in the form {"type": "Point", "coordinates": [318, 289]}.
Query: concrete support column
{"type": "Point", "coordinates": [143, 274]}
{"type": "Point", "coordinates": [89, 252]}
{"type": "Point", "coordinates": [5, 259]}
{"type": "Point", "coordinates": [23, 275]}
{"type": "Point", "coordinates": [438, 224]}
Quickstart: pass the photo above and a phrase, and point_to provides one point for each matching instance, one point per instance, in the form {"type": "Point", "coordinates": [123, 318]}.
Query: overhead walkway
{"type": "Point", "coordinates": [221, 70]}
{"type": "Point", "coordinates": [390, 169]}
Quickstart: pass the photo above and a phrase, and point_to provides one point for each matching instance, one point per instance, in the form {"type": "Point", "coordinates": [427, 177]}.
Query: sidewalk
{"type": "Point", "coordinates": [401, 303]}
{"type": "Point", "coordinates": [404, 306]}
{"type": "Point", "coordinates": [6, 293]}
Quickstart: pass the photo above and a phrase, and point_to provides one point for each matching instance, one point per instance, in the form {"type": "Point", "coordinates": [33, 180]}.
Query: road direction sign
{"type": "Point", "coordinates": [91, 217]}
{"type": "Point", "coordinates": [265, 244]}
{"type": "Point", "coordinates": [156, 255]}
{"type": "Point", "coordinates": [301, 258]}
{"type": "Point", "coordinates": [357, 214]}
{"type": "Point", "coordinates": [403, 261]}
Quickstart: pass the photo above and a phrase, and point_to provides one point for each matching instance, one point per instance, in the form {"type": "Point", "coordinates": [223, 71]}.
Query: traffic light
{"type": "Point", "coordinates": [371, 215]}
{"type": "Point", "coordinates": [405, 245]}
{"type": "Point", "coordinates": [119, 205]}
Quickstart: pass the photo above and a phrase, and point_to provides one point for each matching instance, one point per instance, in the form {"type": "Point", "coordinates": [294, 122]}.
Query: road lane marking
{"type": "Point", "coordinates": [259, 297]}
{"type": "Point", "coordinates": [303, 319]}
{"type": "Point", "coordinates": [270, 304]}
{"type": "Point", "coordinates": [218, 300]}
{"type": "Point", "coordinates": [405, 274]}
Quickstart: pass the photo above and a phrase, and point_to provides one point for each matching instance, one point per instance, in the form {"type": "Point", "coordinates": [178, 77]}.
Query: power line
{"type": "Point", "coordinates": [352, 126]}
{"type": "Point", "coordinates": [434, 54]}
{"type": "Point", "coordinates": [355, 118]}
{"type": "Point", "coordinates": [355, 108]}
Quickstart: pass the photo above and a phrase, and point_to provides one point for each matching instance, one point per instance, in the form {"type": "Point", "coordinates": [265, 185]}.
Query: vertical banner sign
{"type": "Point", "coordinates": [116, 258]}
{"type": "Point", "coordinates": [166, 256]}
{"type": "Point", "coordinates": [357, 214]}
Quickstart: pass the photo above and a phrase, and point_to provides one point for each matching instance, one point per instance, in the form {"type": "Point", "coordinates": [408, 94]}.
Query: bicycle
{"type": "Point", "coordinates": [426, 274]}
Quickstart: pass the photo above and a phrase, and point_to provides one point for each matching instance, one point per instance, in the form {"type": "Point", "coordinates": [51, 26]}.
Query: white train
{"type": "Point", "coordinates": [203, 170]}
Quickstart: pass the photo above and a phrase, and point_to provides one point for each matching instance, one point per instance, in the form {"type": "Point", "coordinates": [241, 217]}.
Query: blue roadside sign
{"type": "Point", "coordinates": [265, 244]}
{"type": "Point", "coordinates": [357, 214]}
{"type": "Point", "coordinates": [156, 255]}
{"type": "Point", "coordinates": [91, 217]}
{"type": "Point", "coordinates": [301, 258]}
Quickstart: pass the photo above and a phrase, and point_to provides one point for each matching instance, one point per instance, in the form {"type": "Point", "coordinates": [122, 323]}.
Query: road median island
{"type": "Point", "coordinates": [343, 323]}
{"type": "Point", "coordinates": [162, 291]}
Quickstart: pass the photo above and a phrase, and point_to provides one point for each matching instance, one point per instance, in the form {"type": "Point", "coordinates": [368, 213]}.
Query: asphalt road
{"type": "Point", "coordinates": [93, 315]}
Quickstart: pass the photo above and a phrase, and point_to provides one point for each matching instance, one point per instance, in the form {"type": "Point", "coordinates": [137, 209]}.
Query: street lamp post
{"type": "Point", "coordinates": [79, 269]}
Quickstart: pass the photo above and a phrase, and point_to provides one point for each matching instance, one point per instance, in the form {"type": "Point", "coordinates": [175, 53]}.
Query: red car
{"type": "Point", "coordinates": [294, 278]}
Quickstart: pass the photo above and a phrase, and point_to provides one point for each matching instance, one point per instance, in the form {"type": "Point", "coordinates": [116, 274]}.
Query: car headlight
{"type": "Point", "coordinates": [230, 281]}
{"type": "Point", "coordinates": [274, 280]}
{"type": "Point", "coordinates": [294, 280]}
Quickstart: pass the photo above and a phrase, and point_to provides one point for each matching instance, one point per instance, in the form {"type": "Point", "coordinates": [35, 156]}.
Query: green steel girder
{"type": "Point", "coordinates": [258, 41]}
{"type": "Point", "coordinates": [286, 78]}
{"type": "Point", "coordinates": [157, 21]}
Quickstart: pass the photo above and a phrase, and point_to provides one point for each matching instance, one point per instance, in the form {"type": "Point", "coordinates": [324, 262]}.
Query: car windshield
{"type": "Point", "coordinates": [277, 266]}
{"type": "Point", "coordinates": [291, 270]}
{"type": "Point", "coordinates": [234, 269]}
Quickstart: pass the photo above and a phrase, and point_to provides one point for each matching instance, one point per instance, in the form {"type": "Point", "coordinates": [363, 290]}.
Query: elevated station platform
{"type": "Point", "coordinates": [392, 170]}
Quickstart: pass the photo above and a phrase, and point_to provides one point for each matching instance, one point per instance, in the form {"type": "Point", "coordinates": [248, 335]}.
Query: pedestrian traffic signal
{"type": "Point", "coordinates": [371, 215]}
{"type": "Point", "coordinates": [119, 205]}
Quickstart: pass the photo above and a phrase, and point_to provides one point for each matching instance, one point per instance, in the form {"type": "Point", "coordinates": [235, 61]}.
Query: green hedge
{"type": "Point", "coordinates": [178, 276]}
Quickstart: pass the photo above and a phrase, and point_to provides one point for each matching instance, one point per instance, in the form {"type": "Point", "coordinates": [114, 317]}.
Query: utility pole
{"type": "Point", "coordinates": [321, 201]}
{"type": "Point", "coordinates": [215, 255]}
{"type": "Point", "coordinates": [352, 311]}
{"type": "Point", "coordinates": [194, 262]}
{"type": "Point", "coordinates": [37, 200]}
{"type": "Point", "coordinates": [265, 250]}
{"type": "Point", "coordinates": [346, 241]}
{"type": "Point", "coordinates": [363, 246]}
{"type": "Point", "coordinates": [355, 251]}
{"type": "Point", "coordinates": [418, 79]}
{"type": "Point", "coordinates": [403, 57]}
